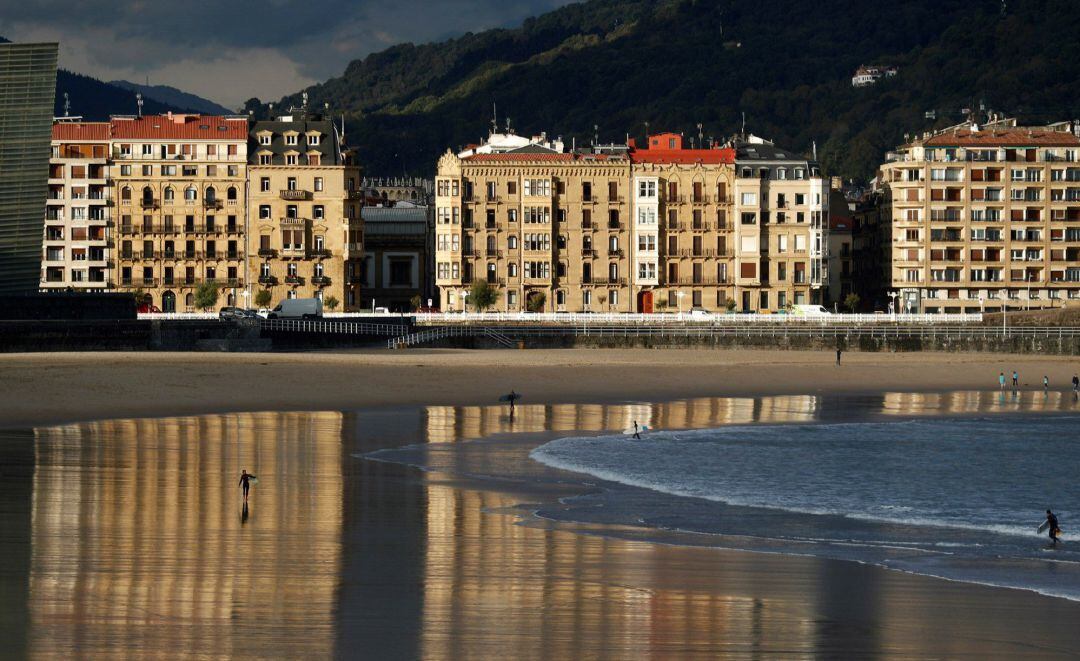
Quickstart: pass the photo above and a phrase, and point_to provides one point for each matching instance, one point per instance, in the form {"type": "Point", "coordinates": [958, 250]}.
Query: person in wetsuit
{"type": "Point", "coordinates": [245, 481]}
{"type": "Point", "coordinates": [1052, 528]}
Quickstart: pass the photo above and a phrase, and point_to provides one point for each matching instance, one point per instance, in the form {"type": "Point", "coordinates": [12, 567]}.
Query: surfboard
{"type": "Point", "coordinates": [1043, 526]}
{"type": "Point", "coordinates": [629, 431]}
{"type": "Point", "coordinates": [253, 481]}
{"type": "Point", "coordinates": [507, 398]}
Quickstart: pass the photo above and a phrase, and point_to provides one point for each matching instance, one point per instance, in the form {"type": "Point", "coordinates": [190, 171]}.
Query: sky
{"type": "Point", "coordinates": [231, 50]}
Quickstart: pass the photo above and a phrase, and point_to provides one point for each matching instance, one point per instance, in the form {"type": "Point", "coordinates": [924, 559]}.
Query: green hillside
{"type": "Point", "coordinates": [786, 64]}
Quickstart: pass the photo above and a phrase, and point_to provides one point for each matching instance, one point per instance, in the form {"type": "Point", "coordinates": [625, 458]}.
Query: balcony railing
{"type": "Point", "coordinates": [320, 280]}
{"type": "Point", "coordinates": [295, 194]}
{"type": "Point", "coordinates": [148, 202]}
{"type": "Point", "coordinates": [267, 280]}
{"type": "Point", "coordinates": [267, 252]}
{"type": "Point", "coordinates": [294, 280]}
{"type": "Point", "coordinates": [322, 252]}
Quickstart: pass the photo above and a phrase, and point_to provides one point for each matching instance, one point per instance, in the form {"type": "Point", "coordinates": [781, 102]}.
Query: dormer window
{"type": "Point", "coordinates": [313, 139]}
{"type": "Point", "coordinates": [264, 139]}
{"type": "Point", "coordinates": [290, 139]}
{"type": "Point", "coordinates": [290, 159]}
{"type": "Point", "coordinates": [265, 159]}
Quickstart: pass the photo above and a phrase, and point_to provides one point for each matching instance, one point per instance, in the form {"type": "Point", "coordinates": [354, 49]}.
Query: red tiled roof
{"type": "Point", "coordinates": [81, 131]}
{"type": "Point", "coordinates": [683, 156]}
{"type": "Point", "coordinates": [180, 127]}
{"type": "Point", "coordinates": [1010, 137]}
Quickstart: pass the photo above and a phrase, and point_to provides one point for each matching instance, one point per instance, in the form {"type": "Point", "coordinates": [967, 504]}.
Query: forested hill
{"type": "Point", "coordinates": [786, 64]}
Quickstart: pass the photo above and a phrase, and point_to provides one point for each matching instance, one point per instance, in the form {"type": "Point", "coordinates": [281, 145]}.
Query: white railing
{"type": "Point", "coordinates": [674, 318]}
{"type": "Point", "coordinates": [188, 316]}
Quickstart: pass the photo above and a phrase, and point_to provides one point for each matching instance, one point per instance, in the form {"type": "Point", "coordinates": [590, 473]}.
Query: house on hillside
{"type": "Point", "coordinates": [868, 75]}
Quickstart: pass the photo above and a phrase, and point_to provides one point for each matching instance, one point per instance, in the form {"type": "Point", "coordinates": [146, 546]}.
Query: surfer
{"type": "Point", "coordinates": [1001, 380]}
{"type": "Point", "coordinates": [637, 432]}
{"type": "Point", "coordinates": [1046, 384]}
{"type": "Point", "coordinates": [838, 354]}
{"type": "Point", "coordinates": [1051, 526]}
{"type": "Point", "coordinates": [1016, 379]}
{"type": "Point", "coordinates": [1076, 383]}
{"type": "Point", "coordinates": [245, 481]}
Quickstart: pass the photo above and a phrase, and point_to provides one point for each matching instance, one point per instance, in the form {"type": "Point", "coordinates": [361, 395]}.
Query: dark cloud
{"type": "Point", "coordinates": [229, 50]}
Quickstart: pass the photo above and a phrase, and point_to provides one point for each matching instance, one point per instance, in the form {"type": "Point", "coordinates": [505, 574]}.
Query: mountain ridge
{"type": "Point", "coordinates": [174, 97]}
{"type": "Point", "coordinates": [677, 63]}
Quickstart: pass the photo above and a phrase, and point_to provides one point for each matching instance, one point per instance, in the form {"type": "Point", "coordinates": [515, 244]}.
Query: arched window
{"type": "Point", "coordinates": [170, 194]}
{"type": "Point", "coordinates": [125, 193]}
{"type": "Point", "coordinates": [168, 302]}
{"type": "Point", "coordinates": [586, 242]}
{"type": "Point", "coordinates": [491, 243]}
{"type": "Point", "coordinates": [492, 273]}
{"type": "Point", "coordinates": [231, 193]}
{"type": "Point", "coordinates": [613, 243]}
{"type": "Point", "coordinates": [613, 271]}
{"type": "Point", "coordinates": [511, 270]}
{"type": "Point", "coordinates": [211, 194]}
{"type": "Point", "coordinates": [781, 173]}
{"type": "Point", "coordinates": [190, 193]}
{"type": "Point", "coordinates": [189, 300]}
{"type": "Point", "coordinates": [147, 193]}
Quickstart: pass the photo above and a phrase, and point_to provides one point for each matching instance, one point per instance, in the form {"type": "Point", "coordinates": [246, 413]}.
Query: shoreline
{"type": "Point", "coordinates": [58, 388]}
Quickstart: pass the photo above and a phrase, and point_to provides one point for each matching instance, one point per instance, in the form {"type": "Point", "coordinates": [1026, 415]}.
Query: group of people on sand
{"type": "Point", "coordinates": [1045, 381]}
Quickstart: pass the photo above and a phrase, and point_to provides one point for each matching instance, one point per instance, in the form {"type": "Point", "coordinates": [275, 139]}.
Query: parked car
{"type": "Point", "coordinates": [229, 314]}
{"type": "Point", "coordinates": [297, 308]}
{"type": "Point", "coordinates": [809, 310]}
{"type": "Point", "coordinates": [699, 312]}
{"type": "Point", "coordinates": [146, 307]}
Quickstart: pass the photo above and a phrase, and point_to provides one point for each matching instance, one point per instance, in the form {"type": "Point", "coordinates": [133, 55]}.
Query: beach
{"type": "Point", "coordinates": [125, 536]}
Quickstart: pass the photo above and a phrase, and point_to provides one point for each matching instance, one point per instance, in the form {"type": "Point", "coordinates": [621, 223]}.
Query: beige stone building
{"type": "Point", "coordinates": [179, 186]}
{"type": "Point", "coordinates": [77, 250]}
{"type": "Point", "coordinates": [629, 229]}
{"type": "Point", "coordinates": [985, 217]}
{"type": "Point", "coordinates": [307, 234]}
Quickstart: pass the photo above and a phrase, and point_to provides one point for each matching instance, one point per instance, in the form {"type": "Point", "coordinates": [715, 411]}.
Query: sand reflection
{"type": "Point", "coordinates": [140, 542]}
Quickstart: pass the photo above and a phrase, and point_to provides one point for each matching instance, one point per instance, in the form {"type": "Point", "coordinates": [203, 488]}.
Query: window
{"type": "Point", "coordinates": [749, 219]}
{"type": "Point", "coordinates": [318, 183]}
{"type": "Point", "coordinates": [265, 138]}
{"type": "Point", "coordinates": [647, 188]}
{"type": "Point", "coordinates": [290, 139]}
{"type": "Point", "coordinates": [318, 212]}
{"type": "Point", "coordinates": [749, 199]}
{"type": "Point", "coordinates": [313, 139]}
{"type": "Point", "coordinates": [290, 159]}
{"type": "Point", "coordinates": [264, 211]}
{"type": "Point", "coordinates": [264, 184]}
{"type": "Point", "coordinates": [537, 187]}
{"type": "Point", "coordinates": [147, 150]}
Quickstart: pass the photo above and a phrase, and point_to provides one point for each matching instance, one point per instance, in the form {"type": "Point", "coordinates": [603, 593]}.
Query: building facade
{"type": "Point", "coordinates": [28, 89]}
{"type": "Point", "coordinates": [78, 241]}
{"type": "Point", "coordinates": [631, 229]}
{"type": "Point", "coordinates": [307, 234]}
{"type": "Point", "coordinates": [986, 217]}
{"type": "Point", "coordinates": [399, 258]}
{"type": "Point", "coordinates": [179, 185]}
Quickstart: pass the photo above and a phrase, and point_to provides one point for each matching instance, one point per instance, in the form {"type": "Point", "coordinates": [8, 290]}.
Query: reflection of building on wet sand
{"type": "Point", "coordinates": [139, 540]}
{"type": "Point", "coordinates": [528, 592]}
{"type": "Point", "coordinates": [977, 401]}
{"type": "Point", "coordinates": [446, 424]}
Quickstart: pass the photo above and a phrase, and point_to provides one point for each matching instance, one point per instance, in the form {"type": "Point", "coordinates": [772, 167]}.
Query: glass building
{"type": "Point", "coordinates": [27, 94]}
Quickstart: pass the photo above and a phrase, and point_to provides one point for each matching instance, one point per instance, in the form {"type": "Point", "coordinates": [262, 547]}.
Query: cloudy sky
{"type": "Point", "coordinates": [231, 50]}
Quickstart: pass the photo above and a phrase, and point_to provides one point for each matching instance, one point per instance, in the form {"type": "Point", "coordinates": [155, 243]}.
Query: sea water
{"type": "Point", "coordinates": [954, 498]}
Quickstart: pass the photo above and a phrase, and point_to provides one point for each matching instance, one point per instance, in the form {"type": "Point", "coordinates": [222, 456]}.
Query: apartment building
{"type": "Point", "coordinates": [550, 230]}
{"type": "Point", "coordinates": [631, 229]}
{"type": "Point", "coordinates": [78, 242]}
{"type": "Point", "coordinates": [986, 217]}
{"type": "Point", "coordinates": [781, 227]}
{"type": "Point", "coordinates": [179, 185]}
{"type": "Point", "coordinates": [305, 199]}
{"type": "Point", "coordinates": [398, 257]}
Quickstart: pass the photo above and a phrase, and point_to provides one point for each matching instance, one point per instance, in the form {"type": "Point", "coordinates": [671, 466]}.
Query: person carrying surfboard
{"type": "Point", "coordinates": [245, 481]}
{"type": "Point", "coordinates": [637, 432]}
{"type": "Point", "coordinates": [1051, 526]}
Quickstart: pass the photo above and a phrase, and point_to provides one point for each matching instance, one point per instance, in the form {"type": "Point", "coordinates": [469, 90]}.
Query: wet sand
{"type": "Point", "coordinates": [127, 538]}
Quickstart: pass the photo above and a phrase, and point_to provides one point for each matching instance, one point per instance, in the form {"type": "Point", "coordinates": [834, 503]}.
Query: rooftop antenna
{"type": "Point", "coordinates": [138, 102]}
{"type": "Point", "coordinates": [508, 132]}
{"type": "Point", "coordinates": [646, 132]}
{"type": "Point", "coordinates": [595, 134]}
{"type": "Point", "coordinates": [744, 126]}
{"type": "Point", "coordinates": [699, 138]}
{"type": "Point", "coordinates": [815, 149]}
{"type": "Point", "coordinates": [303, 106]}
{"type": "Point", "coordinates": [494, 118]}
{"type": "Point", "coordinates": [67, 105]}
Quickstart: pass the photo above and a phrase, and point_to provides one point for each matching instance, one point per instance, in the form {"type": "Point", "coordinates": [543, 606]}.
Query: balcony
{"type": "Point", "coordinates": [294, 280]}
{"type": "Point", "coordinates": [322, 252]}
{"type": "Point", "coordinates": [295, 194]}
{"type": "Point", "coordinates": [230, 282]}
{"type": "Point", "coordinates": [267, 252]}
{"type": "Point", "coordinates": [588, 252]}
{"type": "Point", "coordinates": [212, 203]}
{"type": "Point", "coordinates": [320, 280]}
{"type": "Point", "coordinates": [267, 280]}
{"type": "Point", "coordinates": [606, 282]}
{"type": "Point", "coordinates": [700, 199]}
{"type": "Point", "coordinates": [614, 254]}
{"type": "Point", "coordinates": [149, 202]}
{"type": "Point", "coordinates": [493, 252]}
{"type": "Point", "coordinates": [138, 282]}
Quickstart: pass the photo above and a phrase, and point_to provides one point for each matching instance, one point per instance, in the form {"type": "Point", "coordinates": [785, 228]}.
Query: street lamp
{"type": "Point", "coordinates": [679, 295]}
{"type": "Point", "coordinates": [465, 301]}
{"type": "Point", "coordinates": [246, 294]}
{"type": "Point", "coordinates": [1004, 311]}
{"type": "Point", "coordinates": [892, 301]}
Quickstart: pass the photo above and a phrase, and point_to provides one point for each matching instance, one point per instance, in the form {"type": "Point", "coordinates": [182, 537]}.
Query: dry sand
{"type": "Point", "coordinates": [42, 388]}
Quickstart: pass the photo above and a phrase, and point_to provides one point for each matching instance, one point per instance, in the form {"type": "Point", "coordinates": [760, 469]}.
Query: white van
{"type": "Point", "coordinates": [297, 308]}
{"type": "Point", "coordinates": [809, 310]}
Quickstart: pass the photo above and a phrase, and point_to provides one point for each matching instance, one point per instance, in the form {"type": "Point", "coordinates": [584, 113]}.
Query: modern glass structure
{"type": "Point", "coordinates": [27, 94]}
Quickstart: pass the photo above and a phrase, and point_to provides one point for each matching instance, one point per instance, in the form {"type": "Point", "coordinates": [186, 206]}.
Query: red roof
{"type": "Point", "coordinates": [683, 156]}
{"type": "Point", "coordinates": [1008, 137]}
{"type": "Point", "coordinates": [180, 127]}
{"type": "Point", "coordinates": [81, 131]}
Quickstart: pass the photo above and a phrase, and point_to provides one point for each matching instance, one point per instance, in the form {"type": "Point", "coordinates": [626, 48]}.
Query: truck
{"type": "Point", "coordinates": [297, 308]}
{"type": "Point", "coordinates": [809, 311]}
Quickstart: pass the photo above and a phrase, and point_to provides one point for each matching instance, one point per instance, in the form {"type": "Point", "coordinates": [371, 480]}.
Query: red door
{"type": "Point", "coordinates": [645, 302]}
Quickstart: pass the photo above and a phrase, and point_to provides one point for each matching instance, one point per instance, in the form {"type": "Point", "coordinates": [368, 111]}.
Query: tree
{"type": "Point", "coordinates": [332, 302]}
{"type": "Point", "coordinates": [206, 295]}
{"type": "Point", "coordinates": [483, 295]}
{"type": "Point", "coordinates": [851, 302]}
{"type": "Point", "coordinates": [262, 299]}
{"type": "Point", "coordinates": [730, 305]}
{"type": "Point", "coordinates": [416, 302]}
{"type": "Point", "coordinates": [535, 303]}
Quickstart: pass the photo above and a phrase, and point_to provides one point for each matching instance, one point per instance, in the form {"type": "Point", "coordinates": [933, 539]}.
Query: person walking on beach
{"type": "Point", "coordinates": [512, 397]}
{"type": "Point", "coordinates": [1076, 383]}
{"type": "Point", "coordinates": [1001, 380]}
{"type": "Point", "coordinates": [637, 432]}
{"type": "Point", "coordinates": [245, 481]}
{"type": "Point", "coordinates": [1016, 379]}
{"type": "Point", "coordinates": [1046, 384]}
{"type": "Point", "coordinates": [838, 353]}
{"type": "Point", "coordinates": [1052, 526]}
